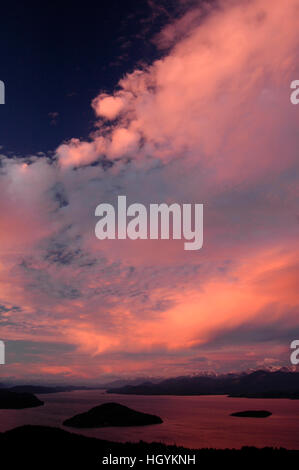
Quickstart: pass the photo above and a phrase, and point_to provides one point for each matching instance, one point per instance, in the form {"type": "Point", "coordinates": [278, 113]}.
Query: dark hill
{"type": "Point", "coordinates": [31, 446]}
{"type": "Point", "coordinates": [111, 414]}
{"type": "Point", "coordinates": [15, 401]}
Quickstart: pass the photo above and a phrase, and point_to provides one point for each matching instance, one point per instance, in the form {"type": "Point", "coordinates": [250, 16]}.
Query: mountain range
{"type": "Point", "coordinates": [258, 384]}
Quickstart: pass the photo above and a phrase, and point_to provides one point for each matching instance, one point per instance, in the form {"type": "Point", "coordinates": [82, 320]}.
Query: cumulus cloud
{"type": "Point", "coordinates": [109, 107]}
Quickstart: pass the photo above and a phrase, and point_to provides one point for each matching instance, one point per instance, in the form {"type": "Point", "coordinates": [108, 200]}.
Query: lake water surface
{"type": "Point", "coordinates": [195, 422]}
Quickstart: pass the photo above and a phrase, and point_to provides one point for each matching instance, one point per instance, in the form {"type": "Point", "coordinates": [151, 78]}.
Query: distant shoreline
{"type": "Point", "coordinates": [258, 384]}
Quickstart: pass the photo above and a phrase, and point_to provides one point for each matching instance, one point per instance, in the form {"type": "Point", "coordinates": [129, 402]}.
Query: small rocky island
{"type": "Point", "coordinates": [111, 414]}
{"type": "Point", "coordinates": [16, 401]}
{"type": "Point", "coordinates": [252, 414]}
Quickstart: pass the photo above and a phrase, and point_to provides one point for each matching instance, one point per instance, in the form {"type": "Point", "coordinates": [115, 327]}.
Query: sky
{"type": "Point", "coordinates": [180, 101]}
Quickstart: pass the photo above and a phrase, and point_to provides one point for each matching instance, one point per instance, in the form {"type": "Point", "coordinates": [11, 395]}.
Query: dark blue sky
{"type": "Point", "coordinates": [55, 58]}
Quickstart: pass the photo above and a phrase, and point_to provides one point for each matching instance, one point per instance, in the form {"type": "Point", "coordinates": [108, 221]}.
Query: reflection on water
{"type": "Point", "coordinates": [188, 421]}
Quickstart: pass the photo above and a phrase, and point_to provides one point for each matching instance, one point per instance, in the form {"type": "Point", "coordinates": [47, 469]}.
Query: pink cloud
{"type": "Point", "coordinates": [211, 122]}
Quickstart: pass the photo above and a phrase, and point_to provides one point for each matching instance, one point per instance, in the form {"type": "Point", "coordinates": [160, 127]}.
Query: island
{"type": "Point", "coordinates": [15, 401]}
{"type": "Point", "coordinates": [252, 414]}
{"type": "Point", "coordinates": [111, 414]}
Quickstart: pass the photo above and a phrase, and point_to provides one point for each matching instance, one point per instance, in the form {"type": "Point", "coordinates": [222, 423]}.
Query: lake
{"type": "Point", "coordinates": [194, 422]}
